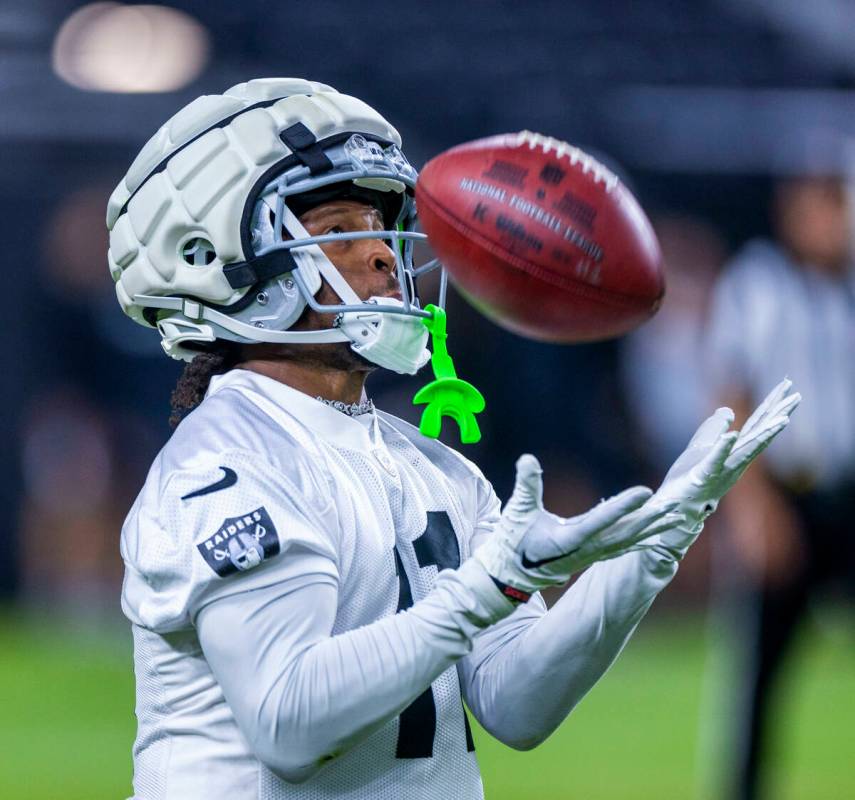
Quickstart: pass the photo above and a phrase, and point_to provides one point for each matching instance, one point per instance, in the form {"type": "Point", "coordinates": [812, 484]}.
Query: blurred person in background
{"type": "Point", "coordinates": [787, 306]}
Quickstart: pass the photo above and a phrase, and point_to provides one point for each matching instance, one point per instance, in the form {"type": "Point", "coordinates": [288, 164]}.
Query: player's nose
{"type": "Point", "coordinates": [380, 256]}
{"type": "Point", "coordinates": [382, 260]}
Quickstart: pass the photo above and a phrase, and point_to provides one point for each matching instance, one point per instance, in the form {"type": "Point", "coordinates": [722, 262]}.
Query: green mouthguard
{"type": "Point", "coordinates": [448, 395]}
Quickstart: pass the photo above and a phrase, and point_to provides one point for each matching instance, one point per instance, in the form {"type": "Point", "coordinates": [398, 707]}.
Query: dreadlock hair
{"type": "Point", "coordinates": [214, 359]}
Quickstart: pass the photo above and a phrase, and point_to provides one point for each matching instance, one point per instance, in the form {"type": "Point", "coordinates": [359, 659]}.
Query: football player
{"type": "Point", "coordinates": [314, 586]}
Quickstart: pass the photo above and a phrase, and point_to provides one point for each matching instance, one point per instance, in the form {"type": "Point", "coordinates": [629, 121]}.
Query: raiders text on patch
{"type": "Point", "coordinates": [241, 543]}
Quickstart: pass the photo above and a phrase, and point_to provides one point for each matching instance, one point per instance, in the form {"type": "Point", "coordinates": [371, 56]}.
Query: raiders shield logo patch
{"type": "Point", "coordinates": [241, 543]}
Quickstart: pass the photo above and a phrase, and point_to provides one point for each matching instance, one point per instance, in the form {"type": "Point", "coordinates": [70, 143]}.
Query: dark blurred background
{"type": "Point", "coordinates": [701, 106]}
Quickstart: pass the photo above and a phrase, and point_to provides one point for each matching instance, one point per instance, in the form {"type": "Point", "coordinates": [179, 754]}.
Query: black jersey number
{"type": "Point", "coordinates": [438, 546]}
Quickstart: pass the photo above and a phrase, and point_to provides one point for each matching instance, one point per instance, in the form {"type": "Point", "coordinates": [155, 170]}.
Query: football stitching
{"type": "Point", "coordinates": [585, 290]}
{"type": "Point", "coordinates": [576, 157]}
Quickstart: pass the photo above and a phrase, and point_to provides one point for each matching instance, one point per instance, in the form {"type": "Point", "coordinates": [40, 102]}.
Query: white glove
{"type": "Point", "coordinates": [714, 461]}
{"type": "Point", "coordinates": [532, 549]}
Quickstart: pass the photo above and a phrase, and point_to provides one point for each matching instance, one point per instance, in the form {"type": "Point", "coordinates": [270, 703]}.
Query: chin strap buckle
{"type": "Point", "coordinates": [447, 395]}
{"type": "Point", "coordinates": [175, 331]}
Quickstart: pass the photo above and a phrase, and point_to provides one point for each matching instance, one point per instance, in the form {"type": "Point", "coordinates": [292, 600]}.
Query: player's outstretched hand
{"type": "Point", "coordinates": [532, 549]}
{"type": "Point", "coordinates": [714, 460]}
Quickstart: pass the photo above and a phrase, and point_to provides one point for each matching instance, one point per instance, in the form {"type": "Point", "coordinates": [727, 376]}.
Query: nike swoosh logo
{"type": "Point", "coordinates": [539, 563]}
{"type": "Point", "coordinates": [229, 479]}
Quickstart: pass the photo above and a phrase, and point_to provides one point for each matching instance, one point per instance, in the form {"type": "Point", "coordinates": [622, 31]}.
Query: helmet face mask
{"type": "Point", "coordinates": [364, 171]}
{"type": "Point", "coordinates": [199, 292]}
{"type": "Point", "coordinates": [360, 166]}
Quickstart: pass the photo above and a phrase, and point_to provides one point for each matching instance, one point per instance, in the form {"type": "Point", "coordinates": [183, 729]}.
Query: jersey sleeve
{"type": "Point", "coordinates": [480, 501]}
{"type": "Point", "coordinates": [488, 509]}
{"type": "Point", "coordinates": [228, 523]}
{"type": "Point", "coordinates": [313, 696]}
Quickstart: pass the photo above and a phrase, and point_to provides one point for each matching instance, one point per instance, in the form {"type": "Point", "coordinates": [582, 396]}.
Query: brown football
{"type": "Point", "coordinates": [541, 238]}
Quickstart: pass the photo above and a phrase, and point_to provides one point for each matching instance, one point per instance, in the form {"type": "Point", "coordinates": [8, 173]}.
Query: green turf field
{"type": "Point", "coordinates": [66, 723]}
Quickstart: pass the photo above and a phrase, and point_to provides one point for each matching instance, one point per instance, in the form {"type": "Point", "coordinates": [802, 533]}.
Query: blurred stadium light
{"type": "Point", "coordinates": [113, 47]}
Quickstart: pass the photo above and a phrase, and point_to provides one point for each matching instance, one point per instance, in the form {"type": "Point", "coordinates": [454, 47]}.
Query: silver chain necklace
{"type": "Point", "coordinates": [351, 409]}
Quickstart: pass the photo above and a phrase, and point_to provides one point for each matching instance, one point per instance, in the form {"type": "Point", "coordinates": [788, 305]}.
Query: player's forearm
{"type": "Point", "coordinates": [345, 687]}
{"type": "Point", "coordinates": [313, 698]}
{"type": "Point", "coordinates": [523, 683]}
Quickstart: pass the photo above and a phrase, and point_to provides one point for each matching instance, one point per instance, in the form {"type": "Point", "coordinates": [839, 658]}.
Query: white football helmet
{"type": "Point", "coordinates": [205, 240]}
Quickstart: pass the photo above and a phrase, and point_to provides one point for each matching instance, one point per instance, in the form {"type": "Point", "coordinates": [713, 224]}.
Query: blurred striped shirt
{"type": "Point", "coordinates": [771, 318]}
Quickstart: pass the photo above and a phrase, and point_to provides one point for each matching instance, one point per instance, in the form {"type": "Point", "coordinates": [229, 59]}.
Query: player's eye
{"type": "Point", "coordinates": [335, 229]}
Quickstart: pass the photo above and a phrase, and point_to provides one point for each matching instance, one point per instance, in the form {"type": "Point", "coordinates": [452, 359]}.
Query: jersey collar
{"type": "Point", "coordinates": [355, 433]}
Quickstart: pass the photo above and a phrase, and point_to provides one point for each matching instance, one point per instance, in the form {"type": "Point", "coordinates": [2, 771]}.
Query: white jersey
{"type": "Point", "coordinates": [267, 559]}
{"type": "Point", "coordinates": [259, 481]}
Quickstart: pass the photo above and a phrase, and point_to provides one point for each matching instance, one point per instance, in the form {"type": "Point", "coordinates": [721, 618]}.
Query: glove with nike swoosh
{"type": "Point", "coordinates": [532, 548]}
{"type": "Point", "coordinates": [714, 460]}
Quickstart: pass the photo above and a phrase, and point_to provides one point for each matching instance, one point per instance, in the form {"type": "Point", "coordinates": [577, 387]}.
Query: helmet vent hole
{"type": "Point", "coordinates": [198, 252]}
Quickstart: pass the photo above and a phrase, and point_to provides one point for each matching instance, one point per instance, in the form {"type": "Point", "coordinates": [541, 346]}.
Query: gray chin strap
{"type": "Point", "coordinates": [391, 340]}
